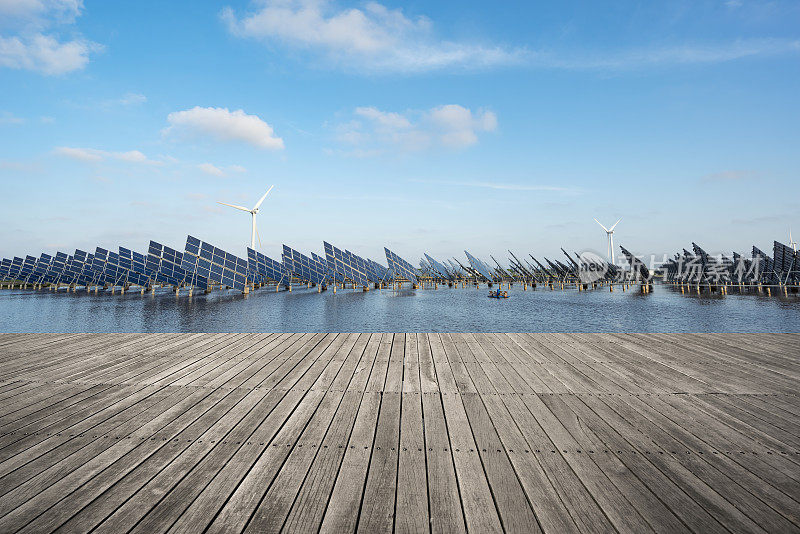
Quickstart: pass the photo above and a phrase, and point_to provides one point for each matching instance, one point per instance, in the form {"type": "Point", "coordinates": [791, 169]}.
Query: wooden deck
{"type": "Point", "coordinates": [406, 432]}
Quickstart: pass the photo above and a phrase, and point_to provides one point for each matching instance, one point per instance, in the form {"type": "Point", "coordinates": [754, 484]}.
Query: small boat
{"type": "Point", "coordinates": [498, 295]}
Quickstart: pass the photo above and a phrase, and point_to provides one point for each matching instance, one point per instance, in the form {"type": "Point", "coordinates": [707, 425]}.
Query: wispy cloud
{"type": "Point", "coordinates": [375, 37]}
{"type": "Point", "coordinates": [34, 42]}
{"type": "Point", "coordinates": [670, 55]}
{"type": "Point", "coordinates": [378, 39]}
{"type": "Point", "coordinates": [222, 124]}
{"type": "Point", "coordinates": [221, 172]}
{"type": "Point", "coordinates": [9, 118]}
{"type": "Point", "coordinates": [372, 131]}
{"type": "Point", "coordinates": [93, 155]}
{"type": "Point", "coordinates": [129, 99]}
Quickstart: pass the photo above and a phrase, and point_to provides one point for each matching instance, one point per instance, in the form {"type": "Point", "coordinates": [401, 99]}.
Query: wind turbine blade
{"type": "Point", "coordinates": [601, 226]}
{"type": "Point", "coordinates": [615, 225]}
{"type": "Point", "coordinates": [262, 198]}
{"type": "Point", "coordinates": [259, 237]}
{"type": "Point", "coordinates": [234, 206]}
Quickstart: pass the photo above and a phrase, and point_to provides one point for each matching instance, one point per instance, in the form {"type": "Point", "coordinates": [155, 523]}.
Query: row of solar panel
{"type": "Point", "coordinates": [700, 267]}
{"type": "Point", "coordinates": [203, 265]}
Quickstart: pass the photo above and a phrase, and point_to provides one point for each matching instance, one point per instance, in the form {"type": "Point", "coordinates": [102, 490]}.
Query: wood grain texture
{"type": "Point", "coordinates": [400, 432]}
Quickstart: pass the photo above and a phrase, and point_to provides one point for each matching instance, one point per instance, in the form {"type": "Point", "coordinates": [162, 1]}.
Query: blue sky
{"type": "Point", "coordinates": [422, 126]}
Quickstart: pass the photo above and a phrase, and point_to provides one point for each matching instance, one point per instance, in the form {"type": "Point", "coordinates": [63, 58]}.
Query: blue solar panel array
{"type": "Point", "coordinates": [5, 267]}
{"type": "Point", "coordinates": [377, 270]}
{"type": "Point", "coordinates": [400, 267]}
{"type": "Point", "coordinates": [303, 267]}
{"type": "Point", "coordinates": [136, 265]}
{"type": "Point", "coordinates": [346, 264]}
{"type": "Point", "coordinates": [165, 262]}
{"type": "Point", "coordinates": [479, 266]}
{"type": "Point", "coordinates": [26, 270]}
{"type": "Point", "coordinates": [330, 275]}
{"type": "Point", "coordinates": [40, 269]}
{"type": "Point", "coordinates": [55, 274]}
{"type": "Point", "coordinates": [438, 267]}
{"type": "Point", "coordinates": [206, 264]}
{"type": "Point", "coordinates": [264, 267]}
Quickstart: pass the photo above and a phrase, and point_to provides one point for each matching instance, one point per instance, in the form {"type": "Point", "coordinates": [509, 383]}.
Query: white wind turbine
{"type": "Point", "coordinates": [253, 212]}
{"type": "Point", "coordinates": [610, 233]}
{"type": "Point", "coordinates": [792, 244]}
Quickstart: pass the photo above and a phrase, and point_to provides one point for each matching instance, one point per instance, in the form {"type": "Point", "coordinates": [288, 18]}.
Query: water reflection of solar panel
{"type": "Point", "coordinates": [302, 267]}
{"type": "Point", "coordinates": [400, 267]}
{"type": "Point", "coordinates": [207, 264]}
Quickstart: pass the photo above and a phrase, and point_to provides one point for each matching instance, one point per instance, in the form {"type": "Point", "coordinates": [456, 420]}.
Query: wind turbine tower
{"type": "Point", "coordinates": [792, 243]}
{"type": "Point", "coordinates": [610, 233]}
{"type": "Point", "coordinates": [253, 212]}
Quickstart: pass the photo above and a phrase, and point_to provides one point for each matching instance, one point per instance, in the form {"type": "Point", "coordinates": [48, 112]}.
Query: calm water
{"type": "Point", "coordinates": [442, 310]}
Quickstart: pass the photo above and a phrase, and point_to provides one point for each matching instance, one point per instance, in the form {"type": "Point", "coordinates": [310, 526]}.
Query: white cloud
{"type": "Point", "coordinates": [378, 39]}
{"type": "Point", "coordinates": [9, 118]}
{"type": "Point", "coordinates": [375, 37]}
{"type": "Point", "coordinates": [213, 170]}
{"type": "Point", "coordinates": [224, 125]}
{"type": "Point", "coordinates": [129, 99]}
{"type": "Point", "coordinates": [95, 155]}
{"type": "Point", "coordinates": [686, 54]}
{"type": "Point", "coordinates": [44, 54]}
{"type": "Point", "coordinates": [40, 12]}
{"type": "Point", "coordinates": [32, 43]}
{"type": "Point", "coordinates": [82, 154]}
{"type": "Point", "coordinates": [453, 126]}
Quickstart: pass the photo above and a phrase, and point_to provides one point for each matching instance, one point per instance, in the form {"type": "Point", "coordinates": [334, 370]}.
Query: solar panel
{"type": "Point", "coordinates": [40, 268]}
{"type": "Point", "coordinates": [165, 262]}
{"type": "Point", "coordinates": [26, 270]}
{"type": "Point", "coordinates": [14, 269]}
{"type": "Point", "coordinates": [81, 268]}
{"type": "Point", "coordinates": [5, 267]}
{"type": "Point", "coordinates": [206, 264]}
{"type": "Point", "coordinates": [400, 267]}
{"type": "Point", "coordinates": [346, 264]}
{"type": "Point", "coordinates": [330, 275]}
{"type": "Point", "coordinates": [438, 267]}
{"type": "Point", "coordinates": [264, 266]}
{"type": "Point", "coordinates": [479, 266]}
{"type": "Point", "coordinates": [381, 272]}
{"type": "Point", "coordinates": [305, 268]}
{"type": "Point", "coordinates": [637, 265]}
{"type": "Point", "coordinates": [133, 266]}
{"type": "Point", "coordinates": [55, 273]}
